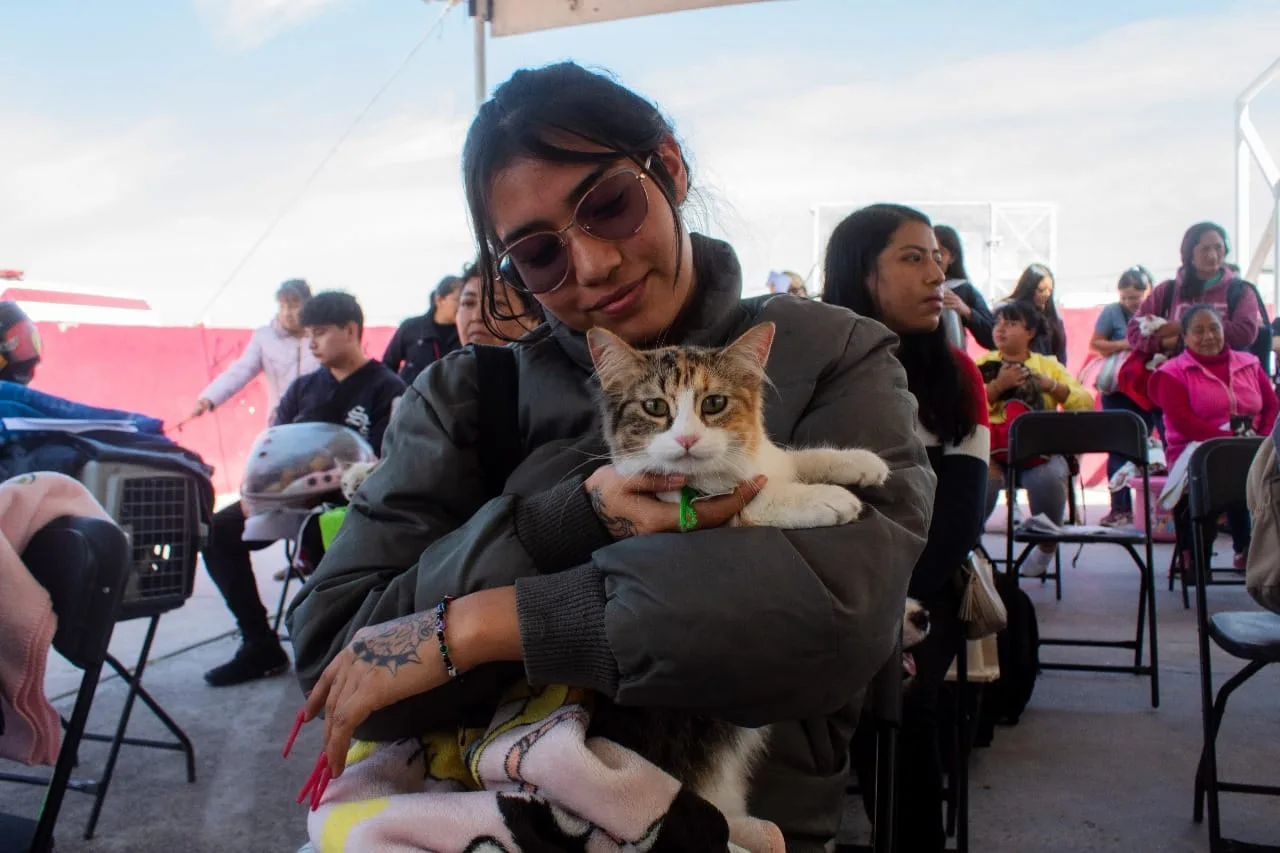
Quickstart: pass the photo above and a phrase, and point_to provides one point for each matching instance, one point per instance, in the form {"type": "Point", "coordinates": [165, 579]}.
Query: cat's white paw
{"type": "Point", "coordinates": [860, 468]}
{"type": "Point", "coordinates": [830, 505]}
{"type": "Point", "coordinates": [801, 506]}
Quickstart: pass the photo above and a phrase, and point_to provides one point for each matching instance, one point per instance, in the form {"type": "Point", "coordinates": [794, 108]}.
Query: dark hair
{"type": "Point", "coordinates": [558, 114]}
{"type": "Point", "coordinates": [294, 288]}
{"type": "Point", "coordinates": [448, 285]}
{"type": "Point", "coordinates": [1136, 277]}
{"type": "Point", "coordinates": [950, 240]}
{"type": "Point", "coordinates": [933, 375]}
{"type": "Point", "coordinates": [1051, 326]}
{"type": "Point", "coordinates": [1198, 308]}
{"type": "Point", "coordinates": [1192, 285]}
{"type": "Point", "coordinates": [470, 270]}
{"type": "Point", "coordinates": [332, 308]}
{"type": "Point", "coordinates": [1025, 313]}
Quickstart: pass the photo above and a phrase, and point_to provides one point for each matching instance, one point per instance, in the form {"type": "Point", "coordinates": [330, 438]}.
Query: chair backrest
{"type": "Point", "coordinates": [84, 565]}
{"type": "Point", "coordinates": [1063, 433]}
{"type": "Point", "coordinates": [1217, 475]}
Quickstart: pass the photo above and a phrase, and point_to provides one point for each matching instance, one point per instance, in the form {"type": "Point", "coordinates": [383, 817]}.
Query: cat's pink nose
{"type": "Point", "coordinates": [686, 441]}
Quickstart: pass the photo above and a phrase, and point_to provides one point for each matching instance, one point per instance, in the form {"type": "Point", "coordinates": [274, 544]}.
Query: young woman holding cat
{"type": "Point", "coordinates": [883, 261]}
{"type": "Point", "coordinates": [578, 574]}
{"type": "Point", "coordinates": [1018, 324]}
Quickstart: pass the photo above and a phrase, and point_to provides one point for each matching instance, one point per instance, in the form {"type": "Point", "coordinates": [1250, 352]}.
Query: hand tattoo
{"type": "Point", "coordinates": [394, 644]}
{"type": "Point", "coordinates": [618, 527]}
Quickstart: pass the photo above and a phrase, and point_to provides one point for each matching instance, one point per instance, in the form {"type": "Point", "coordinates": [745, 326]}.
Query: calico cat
{"type": "Point", "coordinates": [700, 412]}
{"type": "Point", "coordinates": [1026, 392]}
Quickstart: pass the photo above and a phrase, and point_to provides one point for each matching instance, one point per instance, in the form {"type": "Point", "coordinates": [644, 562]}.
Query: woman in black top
{"type": "Point", "coordinates": [1036, 285]}
{"type": "Point", "coordinates": [959, 294]}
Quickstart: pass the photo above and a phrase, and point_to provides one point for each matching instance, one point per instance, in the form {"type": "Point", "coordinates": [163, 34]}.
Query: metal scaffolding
{"type": "Point", "coordinates": [1248, 143]}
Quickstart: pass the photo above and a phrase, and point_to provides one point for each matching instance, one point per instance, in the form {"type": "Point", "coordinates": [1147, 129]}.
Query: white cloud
{"type": "Point", "coordinates": [249, 23]}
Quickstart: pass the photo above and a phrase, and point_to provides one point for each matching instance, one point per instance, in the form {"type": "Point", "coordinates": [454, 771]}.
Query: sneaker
{"type": "Point", "coordinates": [299, 572]}
{"type": "Point", "coordinates": [252, 661]}
{"type": "Point", "coordinates": [1117, 518]}
{"type": "Point", "coordinates": [1037, 563]}
{"type": "Point", "coordinates": [1239, 561]}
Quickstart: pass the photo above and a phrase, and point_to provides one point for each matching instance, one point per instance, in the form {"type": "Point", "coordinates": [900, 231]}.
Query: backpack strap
{"type": "Point", "coordinates": [501, 448]}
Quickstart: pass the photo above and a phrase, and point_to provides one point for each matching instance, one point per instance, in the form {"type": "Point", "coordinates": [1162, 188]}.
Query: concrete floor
{"type": "Point", "coordinates": [1091, 767]}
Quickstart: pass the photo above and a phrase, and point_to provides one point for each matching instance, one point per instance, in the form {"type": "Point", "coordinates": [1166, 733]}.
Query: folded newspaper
{"type": "Point", "coordinates": [1175, 485]}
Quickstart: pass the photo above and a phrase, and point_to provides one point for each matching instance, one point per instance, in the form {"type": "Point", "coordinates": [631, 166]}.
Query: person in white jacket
{"type": "Point", "coordinates": [277, 350]}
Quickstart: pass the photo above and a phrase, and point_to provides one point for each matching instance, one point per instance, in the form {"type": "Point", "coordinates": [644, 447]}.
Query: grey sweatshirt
{"type": "Point", "coordinates": [752, 625]}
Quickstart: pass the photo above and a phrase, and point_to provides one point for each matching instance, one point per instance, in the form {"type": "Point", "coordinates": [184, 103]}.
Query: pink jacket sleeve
{"type": "Point", "coordinates": [1270, 405]}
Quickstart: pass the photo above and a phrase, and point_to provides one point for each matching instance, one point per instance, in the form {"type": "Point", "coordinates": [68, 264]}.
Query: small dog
{"type": "Point", "coordinates": [1026, 392]}
{"type": "Point", "coordinates": [915, 628]}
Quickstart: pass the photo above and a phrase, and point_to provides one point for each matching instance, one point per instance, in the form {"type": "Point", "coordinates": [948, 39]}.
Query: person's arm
{"type": "Point", "coordinates": [1138, 341]}
{"type": "Point", "coordinates": [958, 510]}
{"type": "Point", "coordinates": [1109, 332]}
{"type": "Point", "coordinates": [1064, 388]}
{"type": "Point", "coordinates": [1261, 576]}
{"type": "Point", "coordinates": [1061, 335]}
{"type": "Point", "coordinates": [1241, 327]}
{"type": "Point", "coordinates": [979, 322]}
{"type": "Point", "coordinates": [629, 620]}
{"type": "Point", "coordinates": [1270, 406]}
{"type": "Point", "coordinates": [1175, 401]}
{"type": "Point", "coordinates": [394, 356]}
{"type": "Point", "coordinates": [238, 374]}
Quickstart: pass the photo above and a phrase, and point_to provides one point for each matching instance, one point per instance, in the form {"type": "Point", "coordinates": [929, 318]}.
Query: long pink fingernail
{"type": "Point", "coordinates": [312, 779]}
{"type": "Point", "coordinates": [321, 786]}
{"type": "Point", "coordinates": [293, 735]}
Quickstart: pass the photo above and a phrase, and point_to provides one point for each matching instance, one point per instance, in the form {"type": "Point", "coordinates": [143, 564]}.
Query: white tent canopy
{"type": "Point", "coordinates": [513, 17]}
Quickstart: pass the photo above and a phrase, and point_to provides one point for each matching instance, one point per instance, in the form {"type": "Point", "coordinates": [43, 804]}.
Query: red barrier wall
{"type": "Point", "coordinates": [158, 371]}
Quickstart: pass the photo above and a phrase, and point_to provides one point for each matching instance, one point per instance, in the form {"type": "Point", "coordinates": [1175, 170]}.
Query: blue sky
{"type": "Point", "coordinates": [146, 145]}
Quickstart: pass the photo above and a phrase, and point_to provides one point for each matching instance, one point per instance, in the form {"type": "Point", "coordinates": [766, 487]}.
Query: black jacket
{"type": "Point", "coordinates": [362, 401]}
{"type": "Point", "coordinates": [417, 344]}
{"type": "Point", "coordinates": [979, 322]}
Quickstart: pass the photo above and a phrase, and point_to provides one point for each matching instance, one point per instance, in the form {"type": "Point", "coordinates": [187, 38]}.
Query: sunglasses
{"type": "Point", "coordinates": [614, 209]}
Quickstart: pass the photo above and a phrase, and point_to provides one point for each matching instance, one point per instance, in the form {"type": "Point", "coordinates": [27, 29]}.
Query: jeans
{"type": "Point", "coordinates": [1122, 501]}
{"type": "Point", "coordinates": [1046, 487]}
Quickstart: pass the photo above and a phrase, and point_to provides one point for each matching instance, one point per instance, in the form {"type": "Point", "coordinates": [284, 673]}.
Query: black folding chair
{"type": "Point", "coordinates": [1180, 570]}
{"type": "Point", "coordinates": [84, 565]}
{"type": "Point", "coordinates": [162, 512]}
{"type": "Point", "coordinates": [884, 708]}
{"type": "Point", "coordinates": [1062, 433]}
{"type": "Point", "coordinates": [1218, 473]}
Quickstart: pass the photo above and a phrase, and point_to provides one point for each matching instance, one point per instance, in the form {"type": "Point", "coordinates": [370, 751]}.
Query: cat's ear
{"type": "Point", "coordinates": [751, 349]}
{"type": "Point", "coordinates": [611, 355]}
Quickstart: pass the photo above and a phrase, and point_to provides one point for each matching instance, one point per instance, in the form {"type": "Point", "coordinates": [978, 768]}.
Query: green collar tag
{"type": "Point", "coordinates": [688, 515]}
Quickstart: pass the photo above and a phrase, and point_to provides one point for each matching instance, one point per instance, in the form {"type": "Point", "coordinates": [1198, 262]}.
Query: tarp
{"type": "Point", "coordinates": [513, 17]}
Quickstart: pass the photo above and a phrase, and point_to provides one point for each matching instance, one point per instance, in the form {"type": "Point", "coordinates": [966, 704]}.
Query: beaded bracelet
{"type": "Point", "coordinates": [444, 647]}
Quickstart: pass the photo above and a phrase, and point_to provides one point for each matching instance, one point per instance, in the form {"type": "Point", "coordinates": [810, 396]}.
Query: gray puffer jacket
{"type": "Point", "coordinates": [751, 625]}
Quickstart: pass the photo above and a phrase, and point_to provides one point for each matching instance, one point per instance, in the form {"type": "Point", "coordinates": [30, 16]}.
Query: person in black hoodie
{"type": "Point", "coordinates": [349, 389]}
{"type": "Point", "coordinates": [959, 294]}
{"type": "Point", "coordinates": [427, 338]}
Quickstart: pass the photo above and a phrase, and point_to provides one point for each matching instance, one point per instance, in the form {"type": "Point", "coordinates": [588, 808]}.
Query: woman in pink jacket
{"type": "Point", "coordinates": [1212, 390]}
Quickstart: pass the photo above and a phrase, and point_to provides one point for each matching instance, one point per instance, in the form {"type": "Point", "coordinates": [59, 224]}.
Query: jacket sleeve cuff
{"type": "Point", "coordinates": [562, 630]}
{"type": "Point", "coordinates": [559, 528]}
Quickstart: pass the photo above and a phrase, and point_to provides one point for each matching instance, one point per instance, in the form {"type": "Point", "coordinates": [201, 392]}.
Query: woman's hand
{"type": "Point", "coordinates": [956, 304]}
{"type": "Point", "coordinates": [1011, 375]}
{"type": "Point", "coordinates": [382, 665]}
{"type": "Point", "coordinates": [629, 506]}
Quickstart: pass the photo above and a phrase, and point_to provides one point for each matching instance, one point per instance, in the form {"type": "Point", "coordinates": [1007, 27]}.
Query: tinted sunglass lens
{"type": "Point", "coordinates": [539, 261]}
{"type": "Point", "coordinates": [615, 208]}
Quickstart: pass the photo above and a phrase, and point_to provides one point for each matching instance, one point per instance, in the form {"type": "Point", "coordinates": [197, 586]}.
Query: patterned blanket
{"type": "Point", "coordinates": [531, 781]}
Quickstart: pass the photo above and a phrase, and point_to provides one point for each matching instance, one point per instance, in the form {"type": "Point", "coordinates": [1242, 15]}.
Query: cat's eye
{"type": "Point", "coordinates": [655, 407]}
{"type": "Point", "coordinates": [713, 404]}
